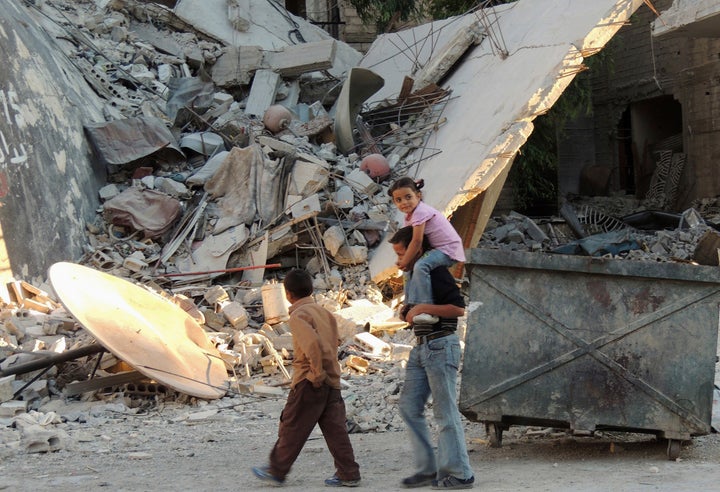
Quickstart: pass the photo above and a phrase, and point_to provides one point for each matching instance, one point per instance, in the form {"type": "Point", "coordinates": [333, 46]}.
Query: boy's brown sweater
{"type": "Point", "coordinates": [315, 343]}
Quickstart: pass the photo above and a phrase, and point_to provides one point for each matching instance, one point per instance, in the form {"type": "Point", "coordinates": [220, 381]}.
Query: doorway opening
{"type": "Point", "coordinates": [645, 130]}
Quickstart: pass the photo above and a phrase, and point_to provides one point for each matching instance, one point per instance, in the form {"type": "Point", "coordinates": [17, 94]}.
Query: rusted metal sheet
{"type": "Point", "coordinates": [589, 343]}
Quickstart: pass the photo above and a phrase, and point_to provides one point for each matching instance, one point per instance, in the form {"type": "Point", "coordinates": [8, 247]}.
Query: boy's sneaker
{"type": "Point", "coordinates": [418, 480]}
{"type": "Point", "coordinates": [453, 483]}
{"type": "Point", "coordinates": [425, 319]}
{"type": "Point", "coordinates": [263, 473]}
{"type": "Point", "coordinates": [336, 481]}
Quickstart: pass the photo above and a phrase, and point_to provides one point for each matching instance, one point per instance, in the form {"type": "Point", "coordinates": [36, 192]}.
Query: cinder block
{"type": "Point", "coordinates": [12, 408]}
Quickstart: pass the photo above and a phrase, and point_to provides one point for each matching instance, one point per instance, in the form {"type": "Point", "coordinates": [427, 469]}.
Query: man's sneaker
{"type": "Point", "coordinates": [336, 481]}
{"type": "Point", "coordinates": [263, 473]}
{"type": "Point", "coordinates": [425, 319]}
{"type": "Point", "coordinates": [453, 483]}
{"type": "Point", "coordinates": [418, 480]}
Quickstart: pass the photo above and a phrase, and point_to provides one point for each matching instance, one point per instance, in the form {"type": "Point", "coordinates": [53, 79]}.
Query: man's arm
{"type": "Point", "coordinates": [439, 310]}
{"type": "Point", "coordinates": [449, 301]}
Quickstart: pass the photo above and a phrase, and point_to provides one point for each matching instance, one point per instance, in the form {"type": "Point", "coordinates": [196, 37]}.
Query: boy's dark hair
{"type": "Point", "coordinates": [298, 283]}
{"type": "Point", "coordinates": [404, 236]}
{"type": "Point", "coordinates": [406, 182]}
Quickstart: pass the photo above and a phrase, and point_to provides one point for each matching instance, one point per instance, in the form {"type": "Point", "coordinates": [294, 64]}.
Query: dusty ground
{"type": "Point", "coordinates": [212, 447]}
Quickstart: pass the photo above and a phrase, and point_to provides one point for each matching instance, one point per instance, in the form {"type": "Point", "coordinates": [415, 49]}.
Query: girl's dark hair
{"type": "Point", "coordinates": [404, 236]}
{"type": "Point", "coordinates": [406, 182]}
{"type": "Point", "coordinates": [299, 283]}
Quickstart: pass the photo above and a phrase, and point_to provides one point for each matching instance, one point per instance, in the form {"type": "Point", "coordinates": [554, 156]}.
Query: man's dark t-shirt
{"type": "Point", "coordinates": [445, 291]}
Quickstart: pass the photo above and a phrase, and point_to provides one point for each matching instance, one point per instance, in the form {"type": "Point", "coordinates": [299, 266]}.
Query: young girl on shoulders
{"type": "Point", "coordinates": [446, 244]}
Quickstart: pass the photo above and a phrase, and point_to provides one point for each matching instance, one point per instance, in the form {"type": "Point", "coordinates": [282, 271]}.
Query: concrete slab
{"type": "Point", "coordinates": [270, 26]}
{"type": "Point", "coordinates": [694, 18]}
{"type": "Point", "coordinates": [530, 55]}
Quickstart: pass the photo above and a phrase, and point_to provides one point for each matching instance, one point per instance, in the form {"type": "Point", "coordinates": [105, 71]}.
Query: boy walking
{"type": "Point", "coordinates": [314, 391]}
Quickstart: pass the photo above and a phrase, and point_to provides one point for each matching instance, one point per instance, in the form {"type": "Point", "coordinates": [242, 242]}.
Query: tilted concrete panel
{"type": "Point", "coordinates": [531, 53]}
{"type": "Point", "coordinates": [48, 185]}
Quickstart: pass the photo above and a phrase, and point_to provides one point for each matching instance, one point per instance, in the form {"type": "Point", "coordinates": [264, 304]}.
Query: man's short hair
{"type": "Point", "coordinates": [298, 283]}
{"type": "Point", "coordinates": [404, 236]}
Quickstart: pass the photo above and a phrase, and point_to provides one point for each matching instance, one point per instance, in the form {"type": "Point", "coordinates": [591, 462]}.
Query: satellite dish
{"type": "Point", "coordinates": [153, 335]}
{"type": "Point", "coordinates": [360, 85]}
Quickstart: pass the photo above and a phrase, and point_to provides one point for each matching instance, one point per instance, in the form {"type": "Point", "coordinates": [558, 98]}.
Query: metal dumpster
{"type": "Point", "coordinates": [590, 344]}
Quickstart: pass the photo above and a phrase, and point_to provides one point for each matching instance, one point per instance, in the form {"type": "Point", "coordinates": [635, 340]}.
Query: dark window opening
{"type": "Point", "coordinates": [296, 7]}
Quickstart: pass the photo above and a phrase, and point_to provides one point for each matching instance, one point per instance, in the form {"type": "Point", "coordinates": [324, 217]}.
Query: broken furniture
{"type": "Point", "coordinates": [590, 344]}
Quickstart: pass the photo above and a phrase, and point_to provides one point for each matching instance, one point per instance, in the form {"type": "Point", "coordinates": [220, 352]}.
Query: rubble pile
{"type": "Point", "coordinates": [612, 228]}
{"type": "Point", "coordinates": [226, 166]}
{"type": "Point", "coordinates": [222, 172]}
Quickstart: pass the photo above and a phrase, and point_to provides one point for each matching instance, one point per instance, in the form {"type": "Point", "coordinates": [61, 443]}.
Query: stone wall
{"type": "Point", "coordinates": [353, 31]}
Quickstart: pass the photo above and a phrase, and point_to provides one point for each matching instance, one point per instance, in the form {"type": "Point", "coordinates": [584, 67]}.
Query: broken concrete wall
{"type": "Point", "coordinates": [47, 180]}
{"type": "Point", "coordinates": [666, 84]}
{"type": "Point", "coordinates": [269, 28]}
{"type": "Point", "coordinates": [692, 18]}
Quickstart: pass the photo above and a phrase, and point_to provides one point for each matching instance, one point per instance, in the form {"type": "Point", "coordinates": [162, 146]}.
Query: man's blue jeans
{"type": "Point", "coordinates": [432, 369]}
{"type": "Point", "coordinates": [418, 288]}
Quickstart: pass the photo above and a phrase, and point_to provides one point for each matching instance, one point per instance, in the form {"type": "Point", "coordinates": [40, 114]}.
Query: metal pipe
{"type": "Point", "coordinates": [224, 270]}
{"type": "Point", "coordinates": [53, 359]}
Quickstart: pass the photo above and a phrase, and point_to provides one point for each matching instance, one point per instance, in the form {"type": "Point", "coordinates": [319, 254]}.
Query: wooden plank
{"type": "Point", "coordinates": [406, 88]}
{"type": "Point", "coordinates": [301, 58]}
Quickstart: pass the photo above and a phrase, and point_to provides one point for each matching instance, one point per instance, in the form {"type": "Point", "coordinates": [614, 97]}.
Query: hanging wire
{"type": "Point", "coordinates": [295, 31]}
{"type": "Point", "coordinates": [326, 11]}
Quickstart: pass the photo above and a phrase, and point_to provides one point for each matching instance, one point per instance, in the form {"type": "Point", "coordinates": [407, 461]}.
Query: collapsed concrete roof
{"type": "Point", "coordinates": [696, 18]}
{"type": "Point", "coordinates": [529, 54]}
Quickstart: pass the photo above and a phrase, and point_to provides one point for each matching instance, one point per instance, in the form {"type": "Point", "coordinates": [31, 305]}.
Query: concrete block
{"type": "Point", "coordinates": [6, 388]}
{"type": "Point", "coordinates": [39, 439]}
{"type": "Point", "coordinates": [374, 345]}
{"type": "Point", "coordinates": [216, 295]}
{"type": "Point", "coordinates": [171, 187]}
{"type": "Point", "coordinates": [12, 408]}
{"type": "Point", "coordinates": [295, 60]}
{"type": "Point", "coordinates": [109, 191]}
{"type": "Point", "coordinates": [305, 206]}
{"type": "Point", "coordinates": [236, 314]}
{"type": "Point", "coordinates": [262, 92]}
{"type": "Point", "coordinates": [362, 183]}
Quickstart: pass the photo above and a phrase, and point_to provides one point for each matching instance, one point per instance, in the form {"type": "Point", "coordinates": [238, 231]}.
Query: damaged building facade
{"type": "Point", "coordinates": [651, 133]}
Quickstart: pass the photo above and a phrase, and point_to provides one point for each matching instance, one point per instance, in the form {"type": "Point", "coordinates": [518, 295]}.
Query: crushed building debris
{"type": "Point", "coordinates": [226, 165]}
